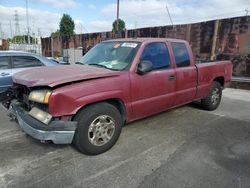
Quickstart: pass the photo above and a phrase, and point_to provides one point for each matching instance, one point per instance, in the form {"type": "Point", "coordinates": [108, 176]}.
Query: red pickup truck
{"type": "Point", "coordinates": [116, 82]}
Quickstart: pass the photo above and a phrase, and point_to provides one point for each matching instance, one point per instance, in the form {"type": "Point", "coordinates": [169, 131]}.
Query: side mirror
{"type": "Point", "coordinates": [144, 67]}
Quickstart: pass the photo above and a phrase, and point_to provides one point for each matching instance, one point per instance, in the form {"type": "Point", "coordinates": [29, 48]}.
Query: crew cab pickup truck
{"type": "Point", "coordinates": [116, 82]}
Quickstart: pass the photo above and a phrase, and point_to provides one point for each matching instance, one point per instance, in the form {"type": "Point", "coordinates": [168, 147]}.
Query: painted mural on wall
{"type": "Point", "coordinates": [232, 40]}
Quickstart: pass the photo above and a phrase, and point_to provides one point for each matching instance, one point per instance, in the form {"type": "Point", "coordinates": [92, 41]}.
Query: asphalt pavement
{"type": "Point", "coordinates": [183, 147]}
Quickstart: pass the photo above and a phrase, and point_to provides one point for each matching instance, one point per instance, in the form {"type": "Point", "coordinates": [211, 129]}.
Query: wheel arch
{"type": "Point", "coordinates": [220, 80]}
{"type": "Point", "coordinates": [116, 102]}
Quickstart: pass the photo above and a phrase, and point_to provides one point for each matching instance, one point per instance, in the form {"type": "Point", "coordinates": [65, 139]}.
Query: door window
{"type": "Point", "coordinates": [158, 54]}
{"type": "Point", "coordinates": [4, 62]}
{"type": "Point", "coordinates": [181, 55]}
{"type": "Point", "coordinates": [25, 61]}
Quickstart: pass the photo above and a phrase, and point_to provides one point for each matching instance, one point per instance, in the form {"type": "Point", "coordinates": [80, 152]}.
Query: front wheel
{"type": "Point", "coordinates": [99, 127]}
{"type": "Point", "coordinates": [213, 99]}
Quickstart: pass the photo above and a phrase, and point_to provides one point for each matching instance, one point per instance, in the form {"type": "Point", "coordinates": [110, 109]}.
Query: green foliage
{"type": "Point", "coordinates": [121, 25]}
{"type": "Point", "coordinates": [66, 25]}
{"type": "Point", "coordinates": [55, 34]}
{"type": "Point", "coordinates": [22, 39]}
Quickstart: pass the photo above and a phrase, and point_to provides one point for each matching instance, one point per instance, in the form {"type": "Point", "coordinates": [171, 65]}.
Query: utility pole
{"type": "Point", "coordinates": [117, 14]}
{"type": "Point", "coordinates": [17, 28]}
{"type": "Point", "coordinates": [39, 32]}
{"type": "Point", "coordinates": [170, 18]}
{"type": "Point", "coordinates": [39, 41]}
{"type": "Point", "coordinates": [246, 11]}
{"type": "Point", "coordinates": [27, 18]}
{"type": "Point", "coordinates": [11, 33]}
{"type": "Point", "coordinates": [1, 33]}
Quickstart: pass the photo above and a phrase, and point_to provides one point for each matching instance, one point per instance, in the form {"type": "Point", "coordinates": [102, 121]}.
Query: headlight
{"type": "Point", "coordinates": [40, 96]}
{"type": "Point", "coordinates": [40, 115]}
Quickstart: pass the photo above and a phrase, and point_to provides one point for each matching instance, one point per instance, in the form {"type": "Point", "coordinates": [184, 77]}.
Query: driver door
{"type": "Point", "coordinates": [153, 92]}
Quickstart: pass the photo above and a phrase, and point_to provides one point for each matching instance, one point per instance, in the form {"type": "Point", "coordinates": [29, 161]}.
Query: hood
{"type": "Point", "coordinates": [57, 75]}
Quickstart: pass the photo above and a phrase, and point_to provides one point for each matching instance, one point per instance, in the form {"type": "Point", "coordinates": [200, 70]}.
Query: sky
{"type": "Point", "coordinates": [98, 15]}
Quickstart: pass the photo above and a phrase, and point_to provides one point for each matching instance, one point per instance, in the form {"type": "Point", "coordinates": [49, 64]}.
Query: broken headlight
{"type": "Point", "coordinates": [40, 115]}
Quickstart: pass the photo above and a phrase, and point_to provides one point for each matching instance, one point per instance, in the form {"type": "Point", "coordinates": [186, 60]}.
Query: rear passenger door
{"type": "Point", "coordinates": [186, 74]}
{"type": "Point", "coordinates": [20, 63]}
{"type": "Point", "coordinates": [5, 73]}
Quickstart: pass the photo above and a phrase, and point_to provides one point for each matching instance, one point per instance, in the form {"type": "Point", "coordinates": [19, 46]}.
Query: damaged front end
{"type": "Point", "coordinates": [30, 108]}
{"type": "Point", "coordinates": [8, 95]}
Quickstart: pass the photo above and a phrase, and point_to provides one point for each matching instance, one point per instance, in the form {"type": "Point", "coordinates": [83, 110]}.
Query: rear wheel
{"type": "Point", "coordinates": [99, 127]}
{"type": "Point", "coordinates": [212, 101]}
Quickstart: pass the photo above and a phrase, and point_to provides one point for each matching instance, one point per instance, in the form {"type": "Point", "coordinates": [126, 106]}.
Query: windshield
{"type": "Point", "coordinates": [111, 55]}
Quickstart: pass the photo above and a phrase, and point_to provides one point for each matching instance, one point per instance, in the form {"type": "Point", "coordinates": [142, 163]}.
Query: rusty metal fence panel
{"type": "Point", "coordinates": [230, 41]}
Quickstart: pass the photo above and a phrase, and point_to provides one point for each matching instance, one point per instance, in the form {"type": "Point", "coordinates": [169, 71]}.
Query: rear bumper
{"type": "Point", "coordinates": [59, 132]}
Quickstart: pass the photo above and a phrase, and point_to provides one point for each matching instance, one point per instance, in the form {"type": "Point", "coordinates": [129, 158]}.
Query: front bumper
{"type": "Point", "coordinates": [59, 132]}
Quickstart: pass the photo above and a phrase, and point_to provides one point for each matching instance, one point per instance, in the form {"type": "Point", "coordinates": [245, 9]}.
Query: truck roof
{"type": "Point", "coordinates": [146, 39]}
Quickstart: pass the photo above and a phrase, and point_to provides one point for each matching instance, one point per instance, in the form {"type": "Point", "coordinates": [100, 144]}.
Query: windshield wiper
{"type": "Point", "coordinates": [99, 65]}
{"type": "Point", "coordinates": [103, 66]}
{"type": "Point", "coordinates": [79, 63]}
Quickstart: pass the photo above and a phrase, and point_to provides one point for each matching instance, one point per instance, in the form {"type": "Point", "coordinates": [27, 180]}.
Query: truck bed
{"type": "Point", "coordinates": [210, 70]}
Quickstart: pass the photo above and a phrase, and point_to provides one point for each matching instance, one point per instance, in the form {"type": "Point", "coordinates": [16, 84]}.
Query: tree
{"type": "Point", "coordinates": [55, 34]}
{"type": "Point", "coordinates": [21, 39]}
{"type": "Point", "coordinates": [121, 25]}
{"type": "Point", "coordinates": [66, 25]}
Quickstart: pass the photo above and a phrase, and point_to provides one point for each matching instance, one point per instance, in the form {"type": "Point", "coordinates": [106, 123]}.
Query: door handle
{"type": "Point", "coordinates": [5, 74]}
{"type": "Point", "coordinates": [171, 77]}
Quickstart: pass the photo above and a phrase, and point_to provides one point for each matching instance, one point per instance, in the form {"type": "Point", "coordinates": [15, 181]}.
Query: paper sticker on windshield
{"type": "Point", "coordinates": [129, 44]}
{"type": "Point", "coordinates": [117, 45]}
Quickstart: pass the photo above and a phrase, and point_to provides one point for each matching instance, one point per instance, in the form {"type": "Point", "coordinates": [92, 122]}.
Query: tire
{"type": "Point", "coordinates": [213, 99]}
{"type": "Point", "coordinates": [99, 127]}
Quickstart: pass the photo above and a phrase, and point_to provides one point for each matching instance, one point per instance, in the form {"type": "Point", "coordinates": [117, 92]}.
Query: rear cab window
{"type": "Point", "coordinates": [4, 62]}
{"type": "Point", "coordinates": [25, 62]}
{"type": "Point", "coordinates": [157, 53]}
{"type": "Point", "coordinates": [181, 54]}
